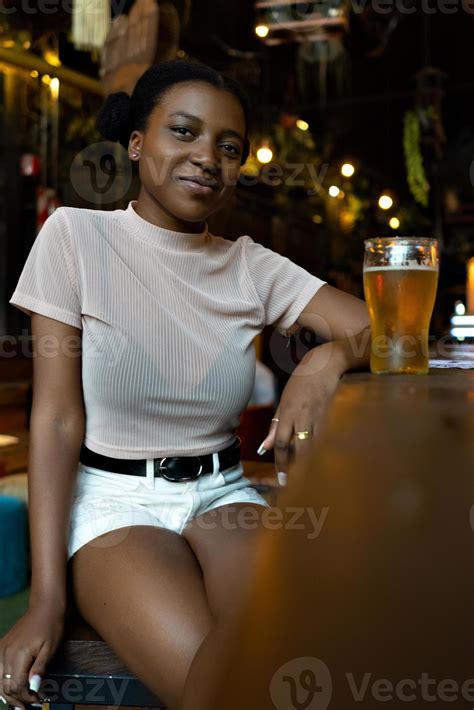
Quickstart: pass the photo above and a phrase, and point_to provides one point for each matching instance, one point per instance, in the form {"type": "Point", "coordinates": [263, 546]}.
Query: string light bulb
{"type": "Point", "coordinates": [394, 223]}
{"type": "Point", "coordinates": [334, 191]}
{"type": "Point", "coordinates": [264, 154]}
{"type": "Point", "coordinates": [261, 31]}
{"type": "Point", "coordinates": [385, 202]}
{"type": "Point", "coordinates": [302, 125]}
{"type": "Point", "coordinates": [348, 170]}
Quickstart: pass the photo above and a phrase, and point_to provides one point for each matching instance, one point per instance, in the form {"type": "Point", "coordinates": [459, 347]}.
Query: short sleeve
{"type": "Point", "coordinates": [283, 287]}
{"type": "Point", "coordinates": [47, 282]}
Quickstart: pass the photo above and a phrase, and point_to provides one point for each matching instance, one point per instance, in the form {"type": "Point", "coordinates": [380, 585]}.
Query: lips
{"type": "Point", "coordinates": [198, 184]}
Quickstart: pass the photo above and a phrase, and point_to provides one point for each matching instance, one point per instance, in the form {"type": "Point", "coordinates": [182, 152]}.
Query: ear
{"type": "Point", "coordinates": [135, 143]}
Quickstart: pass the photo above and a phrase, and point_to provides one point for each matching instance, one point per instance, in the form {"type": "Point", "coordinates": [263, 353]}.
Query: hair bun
{"type": "Point", "coordinates": [114, 120]}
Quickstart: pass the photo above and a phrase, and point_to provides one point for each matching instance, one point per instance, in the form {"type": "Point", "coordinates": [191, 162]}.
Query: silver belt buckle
{"type": "Point", "coordinates": [164, 468]}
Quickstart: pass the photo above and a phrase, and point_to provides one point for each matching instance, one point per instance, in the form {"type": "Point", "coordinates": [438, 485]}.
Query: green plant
{"type": "Point", "coordinates": [416, 176]}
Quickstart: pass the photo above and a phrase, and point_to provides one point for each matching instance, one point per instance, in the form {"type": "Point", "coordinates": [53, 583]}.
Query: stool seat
{"type": "Point", "coordinates": [13, 545]}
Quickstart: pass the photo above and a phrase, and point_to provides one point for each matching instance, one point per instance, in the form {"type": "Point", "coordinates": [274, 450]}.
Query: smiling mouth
{"type": "Point", "coordinates": [197, 187]}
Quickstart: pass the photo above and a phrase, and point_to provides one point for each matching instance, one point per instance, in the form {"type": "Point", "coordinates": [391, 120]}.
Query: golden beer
{"type": "Point", "coordinates": [400, 285]}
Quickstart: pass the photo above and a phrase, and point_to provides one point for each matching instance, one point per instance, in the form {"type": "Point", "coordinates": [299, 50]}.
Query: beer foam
{"type": "Point", "coordinates": [413, 266]}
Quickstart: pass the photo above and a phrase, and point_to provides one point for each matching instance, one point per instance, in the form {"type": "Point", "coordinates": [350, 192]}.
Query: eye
{"type": "Point", "coordinates": [182, 128]}
{"type": "Point", "coordinates": [236, 151]}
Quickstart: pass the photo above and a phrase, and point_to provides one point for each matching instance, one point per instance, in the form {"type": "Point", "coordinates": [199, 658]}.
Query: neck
{"type": "Point", "coordinates": [150, 209]}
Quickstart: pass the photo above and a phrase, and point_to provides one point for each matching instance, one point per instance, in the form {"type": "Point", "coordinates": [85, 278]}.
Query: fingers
{"type": "Point", "coordinates": [282, 441]}
{"type": "Point", "coordinates": [15, 688]}
{"type": "Point", "coordinates": [268, 442]}
{"type": "Point", "coordinates": [302, 445]}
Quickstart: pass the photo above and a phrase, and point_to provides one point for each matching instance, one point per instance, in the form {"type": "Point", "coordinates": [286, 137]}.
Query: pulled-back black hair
{"type": "Point", "coordinates": [121, 114]}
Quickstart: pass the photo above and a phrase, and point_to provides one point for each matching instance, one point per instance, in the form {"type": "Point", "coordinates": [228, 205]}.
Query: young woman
{"type": "Point", "coordinates": [143, 326]}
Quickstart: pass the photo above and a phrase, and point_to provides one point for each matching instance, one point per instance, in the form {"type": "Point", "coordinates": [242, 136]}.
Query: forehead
{"type": "Point", "coordinates": [213, 106]}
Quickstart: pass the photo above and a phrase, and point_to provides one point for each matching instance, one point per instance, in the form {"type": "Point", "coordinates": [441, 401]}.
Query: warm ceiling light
{"type": "Point", "coordinates": [46, 79]}
{"type": "Point", "coordinates": [261, 31]}
{"type": "Point", "coordinates": [264, 155]}
{"type": "Point", "coordinates": [34, 74]}
{"type": "Point", "coordinates": [385, 202]}
{"type": "Point", "coordinates": [394, 223]}
{"type": "Point", "coordinates": [334, 191]}
{"type": "Point", "coordinates": [317, 219]}
{"type": "Point", "coordinates": [302, 125]}
{"type": "Point", "coordinates": [348, 170]}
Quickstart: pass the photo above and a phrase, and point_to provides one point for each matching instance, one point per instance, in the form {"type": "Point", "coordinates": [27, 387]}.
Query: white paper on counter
{"type": "Point", "coordinates": [459, 364]}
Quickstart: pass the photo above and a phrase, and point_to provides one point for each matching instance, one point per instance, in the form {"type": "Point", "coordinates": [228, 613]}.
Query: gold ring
{"type": "Point", "coordinates": [275, 419]}
{"type": "Point", "coordinates": [303, 434]}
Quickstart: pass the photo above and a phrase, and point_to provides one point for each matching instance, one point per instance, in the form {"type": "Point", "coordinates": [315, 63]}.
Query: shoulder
{"type": "Point", "coordinates": [83, 215]}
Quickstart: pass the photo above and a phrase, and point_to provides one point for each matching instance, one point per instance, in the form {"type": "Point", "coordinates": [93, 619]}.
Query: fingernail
{"type": "Point", "coordinates": [37, 705]}
{"type": "Point", "coordinates": [35, 682]}
{"type": "Point", "coordinates": [261, 449]}
{"type": "Point", "coordinates": [282, 478]}
{"type": "Point", "coordinates": [17, 708]}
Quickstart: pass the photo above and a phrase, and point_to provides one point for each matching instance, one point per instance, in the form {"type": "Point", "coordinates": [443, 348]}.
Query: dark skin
{"type": "Point", "coordinates": [209, 145]}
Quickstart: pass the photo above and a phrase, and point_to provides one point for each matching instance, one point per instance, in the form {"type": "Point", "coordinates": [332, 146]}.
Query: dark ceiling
{"type": "Point", "coordinates": [379, 75]}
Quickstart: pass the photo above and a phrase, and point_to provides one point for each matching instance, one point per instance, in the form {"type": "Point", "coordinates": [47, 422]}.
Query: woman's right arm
{"type": "Point", "coordinates": [56, 433]}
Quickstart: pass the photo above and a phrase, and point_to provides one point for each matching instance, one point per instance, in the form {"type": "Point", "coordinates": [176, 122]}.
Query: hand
{"type": "Point", "coordinates": [25, 651]}
{"type": "Point", "coordinates": [302, 404]}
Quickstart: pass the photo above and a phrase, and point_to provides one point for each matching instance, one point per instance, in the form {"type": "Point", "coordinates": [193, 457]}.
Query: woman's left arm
{"type": "Point", "coordinates": [343, 321]}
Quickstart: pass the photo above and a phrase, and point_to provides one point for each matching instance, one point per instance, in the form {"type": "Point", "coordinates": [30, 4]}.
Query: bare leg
{"type": "Point", "coordinates": [142, 589]}
{"type": "Point", "coordinates": [227, 552]}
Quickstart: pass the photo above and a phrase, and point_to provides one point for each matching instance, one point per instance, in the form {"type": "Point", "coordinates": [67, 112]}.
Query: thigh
{"type": "Point", "coordinates": [143, 592]}
{"type": "Point", "coordinates": [225, 541]}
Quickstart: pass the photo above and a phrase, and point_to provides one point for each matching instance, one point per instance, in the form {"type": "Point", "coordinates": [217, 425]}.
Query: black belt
{"type": "Point", "coordinates": [173, 468]}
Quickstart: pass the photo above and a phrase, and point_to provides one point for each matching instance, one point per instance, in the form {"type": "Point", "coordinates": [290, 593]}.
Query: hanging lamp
{"type": "Point", "coordinates": [90, 23]}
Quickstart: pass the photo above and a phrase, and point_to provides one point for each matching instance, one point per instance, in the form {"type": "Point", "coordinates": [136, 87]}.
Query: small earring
{"type": "Point", "coordinates": [136, 154]}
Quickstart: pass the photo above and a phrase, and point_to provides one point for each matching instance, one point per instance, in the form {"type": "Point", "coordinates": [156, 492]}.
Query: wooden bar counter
{"type": "Point", "coordinates": [375, 604]}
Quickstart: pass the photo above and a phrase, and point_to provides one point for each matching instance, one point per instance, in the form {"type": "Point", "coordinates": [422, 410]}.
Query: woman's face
{"type": "Point", "coordinates": [197, 132]}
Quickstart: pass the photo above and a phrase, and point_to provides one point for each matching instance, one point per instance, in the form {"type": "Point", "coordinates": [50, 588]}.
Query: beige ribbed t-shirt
{"type": "Point", "coordinates": [168, 321]}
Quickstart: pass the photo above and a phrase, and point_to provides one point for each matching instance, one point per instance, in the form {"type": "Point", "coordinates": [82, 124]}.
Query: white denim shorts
{"type": "Point", "coordinates": [105, 501]}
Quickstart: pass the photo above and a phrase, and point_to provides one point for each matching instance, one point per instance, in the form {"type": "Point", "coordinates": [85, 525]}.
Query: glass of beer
{"type": "Point", "coordinates": [400, 282]}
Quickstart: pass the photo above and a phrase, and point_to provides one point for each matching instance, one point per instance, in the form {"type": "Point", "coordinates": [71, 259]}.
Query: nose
{"type": "Point", "coordinates": [205, 157]}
